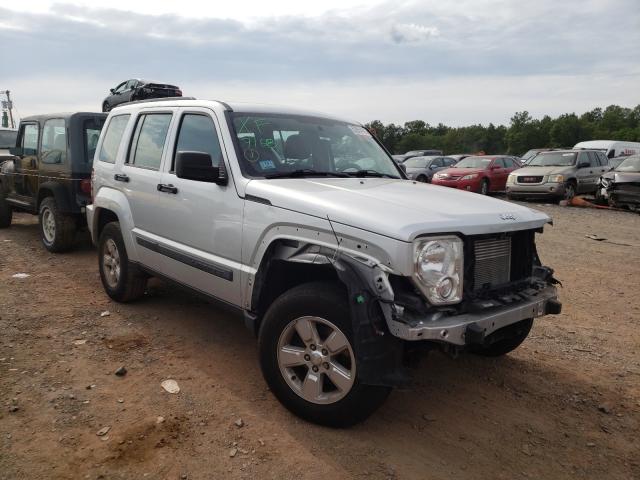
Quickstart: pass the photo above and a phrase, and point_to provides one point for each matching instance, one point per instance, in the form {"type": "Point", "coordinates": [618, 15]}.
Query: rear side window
{"type": "Point", "coordinates": [499, 162]}
{"type": "Point", "coordinates": [30, 139]}
{"type": "Point", "coordinates": [198, 134]}
{"type": "Point", "coordinates": [112, 138]}
{"type": "Point", "coordinates": [54, 141]}
{"type": "Point", "coordinates": [91, 133]}
{"type": "Point", "coordinates": [148, 140]}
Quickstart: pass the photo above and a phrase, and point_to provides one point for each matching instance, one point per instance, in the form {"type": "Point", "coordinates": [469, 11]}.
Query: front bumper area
{"type": "Point", "coordinates": [536, 190]}
{"type": "Point", "coordinates": [470, 328]}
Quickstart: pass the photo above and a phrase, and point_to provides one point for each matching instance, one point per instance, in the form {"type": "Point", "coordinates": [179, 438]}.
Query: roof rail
{"type": "Point", "coordinates": [162, 99]}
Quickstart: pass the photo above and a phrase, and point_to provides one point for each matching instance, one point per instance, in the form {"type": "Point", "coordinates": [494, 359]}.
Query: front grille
{"type": "Point", "coordinates": [529, 179]}
{"type": "Point", "coordinates": [498, 261]}
{"type": "Point", "coordinates": [492, 262]}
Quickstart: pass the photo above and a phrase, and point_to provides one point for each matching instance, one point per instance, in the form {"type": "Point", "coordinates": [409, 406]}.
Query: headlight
{"type": "Point", "coordinates": [511, 178]}
{"type": "Point", "coordinates": [555, 179]}
{"type": "Point", "coordinates": [438, 269]}
{"type": "Point", "coordinates": [469, 177]}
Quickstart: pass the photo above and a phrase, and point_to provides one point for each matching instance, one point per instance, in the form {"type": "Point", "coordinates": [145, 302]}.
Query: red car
{"type": "Point", "coordinates": [481, 174]}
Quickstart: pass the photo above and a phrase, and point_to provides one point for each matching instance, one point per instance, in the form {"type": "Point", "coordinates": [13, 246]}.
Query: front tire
{"type": "Point", "coordinates": [507, 339]}
{"type": "Point", "coordinates": [569, 191]}
{"type": "Point", "coordinates": [308, 360]}
{"type": "Point", "coordinates": [422, 179]}
{"type": "Point", "coordinates": [6, 213]}
{"type": "Point", "coordinates": [121, 279]}
{"type": "Point", "coordinates": [57, 229]}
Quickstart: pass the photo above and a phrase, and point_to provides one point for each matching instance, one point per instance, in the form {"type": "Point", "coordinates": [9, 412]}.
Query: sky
{"type": "Point", "coordinates": [456, 62]}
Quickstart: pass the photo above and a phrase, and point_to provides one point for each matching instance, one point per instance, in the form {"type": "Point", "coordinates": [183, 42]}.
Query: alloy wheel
{"type": "Point", "coordinates": [316, 360]}
{"type": "Point", "coordinates": [48, 225]}
{"type": "Point", "coordinates": [111, 263]}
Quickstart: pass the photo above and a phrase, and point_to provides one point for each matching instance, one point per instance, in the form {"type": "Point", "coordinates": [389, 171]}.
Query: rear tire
{"type": "Point", "coordinates": [6, 213]}
{"type": "Point", "coordinates": [422, 179]}
{"type": "Point", "coordinates": [57, 229]}
{"type": "Point", "coordinates": [484, 187]}
{"type": "Point", "coordinates": [514, 335]}
{"type": "Point", "coordinates": [319, 308]}
{"type": "Point", "coordinates": [121, 279]}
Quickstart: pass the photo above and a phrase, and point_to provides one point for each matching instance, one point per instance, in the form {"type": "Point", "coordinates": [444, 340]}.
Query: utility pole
{"type": "Point", "coordinates": [8, 105]}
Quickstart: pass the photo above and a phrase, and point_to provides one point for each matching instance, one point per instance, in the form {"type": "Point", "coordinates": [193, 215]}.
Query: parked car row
{"type": "Point", "coordinates": [301, 223]}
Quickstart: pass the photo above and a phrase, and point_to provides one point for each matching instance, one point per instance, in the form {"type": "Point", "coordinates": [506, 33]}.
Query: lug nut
{"type": "Point", "coordinates": [324, 351]}
{"type": "Point", "coordinates": [312, 346]}
{"type": "Point", "coordinates": [325, 365]}
{"type": "Point", "coordinates": [307, 357]}
{"type": "Point", "coordinates": [314, 368]}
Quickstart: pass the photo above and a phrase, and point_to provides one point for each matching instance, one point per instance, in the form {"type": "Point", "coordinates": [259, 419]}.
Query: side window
{"type": "Point", "coordinates": [120, 88]}
{"type": "Point", "coordinates": [603, 159]}
{"type": "Point", "coordinates": [583, 158]}
{"type": "Point", "coordinates": [112, 138]}
{"type": "Point", "coordinates": [437, 162]}
{"type": "Point", "coordinates": [131, 84]}
{"type": "Point", "coordinates": [30, 139]}
{"type": "Point", "coordinates": [91, 133]}
{"type": "Point", "coordinates": [54, 141]}
{"type": "Point", "coordinates": [448, 162]}
{"type": "Point", "coordinates": [498, 162]}
{"type": "Point", "coordinates": [148, 140]}
{"type": "Point", "coordinates": [198, 134]}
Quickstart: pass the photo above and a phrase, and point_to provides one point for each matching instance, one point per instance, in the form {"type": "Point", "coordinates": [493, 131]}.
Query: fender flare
{"type": "Point", "coordinates": [116, 202]}
{"type": "Point", "coordinates": [60, 194]}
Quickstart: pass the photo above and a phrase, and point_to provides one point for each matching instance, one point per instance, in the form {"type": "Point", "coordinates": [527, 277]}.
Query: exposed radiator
{"type": "Point", "coordinates": [492, 262]}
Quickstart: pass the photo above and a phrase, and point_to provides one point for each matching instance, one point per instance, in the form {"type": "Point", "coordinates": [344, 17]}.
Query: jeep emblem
{"type": "Point", "coordinates": [507, 216]}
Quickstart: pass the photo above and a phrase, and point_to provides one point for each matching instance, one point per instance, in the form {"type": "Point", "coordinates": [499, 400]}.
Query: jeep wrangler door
{"type": "Point", "coordinates": [203, 231]}
{"type": "Point", "coordinates": [26, 165]}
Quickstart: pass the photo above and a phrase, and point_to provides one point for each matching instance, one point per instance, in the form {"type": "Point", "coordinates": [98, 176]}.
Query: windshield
{"type": "Point", "coordinates": [474, 162]}
{"type": "Point", "coordinates": [631, 164]}
{"type": "Point", "coordinates": [418, 162]}
{"type": "Point", "coordinates": [8, 138]}
{"type": "Point", "coordinates": [275, 145]}
{"type": "Point", "coordinates": [530, 154]}
{"type": "Point", "coordinates": [553, 159]}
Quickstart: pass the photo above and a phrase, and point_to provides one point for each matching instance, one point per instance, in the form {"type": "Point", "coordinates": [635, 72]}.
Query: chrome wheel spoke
{"type": "Point", "coordinates": [291, 356]}
{"type": "Point", "coordinates": [312, 386]}
{"type": "Point", "coordinates": [307, 331]}
{"type": "Point", "coordinates": [336, 342]}
{"type": "Point", "coordinates": [340, 377]}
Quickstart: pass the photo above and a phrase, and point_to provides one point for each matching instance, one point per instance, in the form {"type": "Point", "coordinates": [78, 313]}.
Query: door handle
{"type": "Point", "coordinates": [167, 188]}
{"type": "Point", "coordinates": [121, 177]}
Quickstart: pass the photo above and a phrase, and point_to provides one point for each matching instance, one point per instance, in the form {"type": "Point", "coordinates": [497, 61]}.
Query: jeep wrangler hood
{"type": "Point", "coordinates": [398, 209]}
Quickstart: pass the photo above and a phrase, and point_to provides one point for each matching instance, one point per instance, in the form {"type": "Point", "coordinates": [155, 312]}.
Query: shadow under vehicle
{"type": "Point", "coordinates": [50, 174]}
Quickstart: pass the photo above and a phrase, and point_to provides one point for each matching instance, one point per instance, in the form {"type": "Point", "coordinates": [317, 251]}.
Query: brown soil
{"type": "Point", "coordinates": [565, 405]}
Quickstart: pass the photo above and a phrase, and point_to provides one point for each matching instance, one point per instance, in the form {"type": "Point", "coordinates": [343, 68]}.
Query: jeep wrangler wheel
{"type": "Point", "coordinates": [504, 340]}
{"type": "Point", "coordinates": [121, 279]}
{"type": "Point", "coordinates": [58, 230]}
{"type": "Point", "coordinates": [6, 213]}
{"type": "Point", "coordinates": [308, 359]}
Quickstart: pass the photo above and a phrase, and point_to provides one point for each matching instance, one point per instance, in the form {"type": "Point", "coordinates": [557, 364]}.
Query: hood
{"type": "Point", "coordinates": [622, 177]}
{"type": "Point", "coordinates": [396, 208]}
{"type": "Point", "coordinates": [538, 171]}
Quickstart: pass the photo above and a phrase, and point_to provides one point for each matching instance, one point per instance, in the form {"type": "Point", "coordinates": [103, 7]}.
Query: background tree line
{"type": "Point", "coordinates": [522, 134]}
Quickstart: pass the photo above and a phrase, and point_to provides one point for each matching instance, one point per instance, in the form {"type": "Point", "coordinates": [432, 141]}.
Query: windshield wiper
{"type": "Point", "coordinates": [371, 173]}
{"type": "Point", "coordinates": [305, 172]}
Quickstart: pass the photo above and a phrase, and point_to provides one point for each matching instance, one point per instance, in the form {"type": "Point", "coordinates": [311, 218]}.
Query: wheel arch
{"type": "Point", "coordinates": [112, 205]}
{"type": "Point", "coordinates": [58, 192]}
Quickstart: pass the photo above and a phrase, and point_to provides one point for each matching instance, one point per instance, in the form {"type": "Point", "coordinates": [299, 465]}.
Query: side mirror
{"type": "Point", "coordinates": [432, 167]}
{"type": "Point", "coordinates": [197, 166]}
{"type": "Point", "coordinates": [584, 165]}
{"type": "Point", "coordinates": [16, 151]}
{"type": "Point", "coordinates": [112, 90]}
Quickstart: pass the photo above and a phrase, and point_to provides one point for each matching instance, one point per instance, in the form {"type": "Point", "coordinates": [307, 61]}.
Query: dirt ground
{"type": "Point", "coordinates": [565, 405]}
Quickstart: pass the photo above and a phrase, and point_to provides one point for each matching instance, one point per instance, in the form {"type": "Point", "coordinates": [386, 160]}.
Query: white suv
{"type": "Point", "coordinates": [304, 223]}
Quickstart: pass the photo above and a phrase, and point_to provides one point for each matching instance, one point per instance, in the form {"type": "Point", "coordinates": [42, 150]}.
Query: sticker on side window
{"type": "Point", "coordinates": [266, 164]}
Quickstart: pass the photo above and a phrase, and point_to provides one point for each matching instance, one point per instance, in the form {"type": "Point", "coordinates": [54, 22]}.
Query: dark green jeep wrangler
{"type": "Point", "coordinates": [50, 174]}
